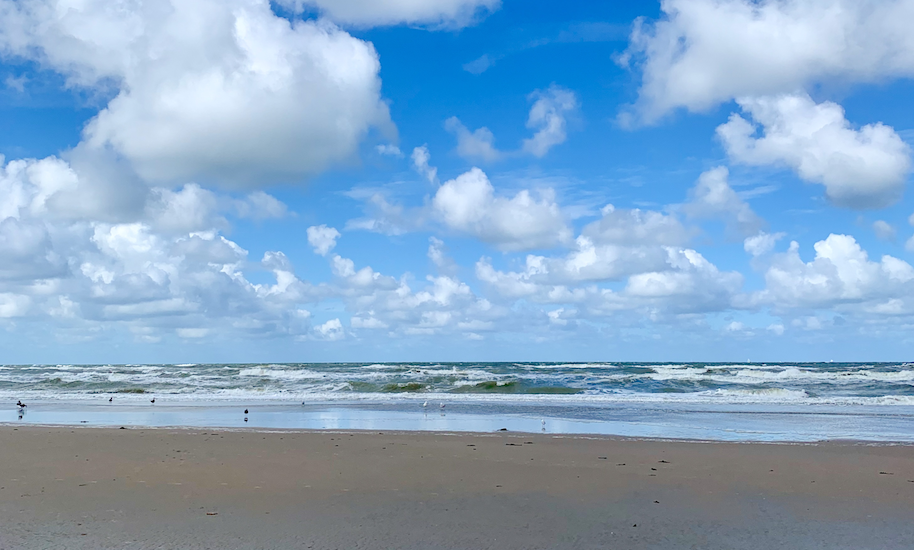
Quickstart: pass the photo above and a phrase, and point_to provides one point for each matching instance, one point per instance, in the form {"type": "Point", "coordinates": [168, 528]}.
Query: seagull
{"type": "Point", "coordinates": [424, 405]}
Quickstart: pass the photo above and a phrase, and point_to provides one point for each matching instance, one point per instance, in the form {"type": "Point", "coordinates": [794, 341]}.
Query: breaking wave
{"type": "Point", "coordinates": [787, 383]}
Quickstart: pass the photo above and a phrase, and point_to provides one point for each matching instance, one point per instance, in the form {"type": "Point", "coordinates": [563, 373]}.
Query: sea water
{"type": "Point", "coordinates": [763, 402]}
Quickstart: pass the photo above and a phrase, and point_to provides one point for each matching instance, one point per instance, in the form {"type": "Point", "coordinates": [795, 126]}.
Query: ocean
{"type": "Point", "coordinates": [717, 401]}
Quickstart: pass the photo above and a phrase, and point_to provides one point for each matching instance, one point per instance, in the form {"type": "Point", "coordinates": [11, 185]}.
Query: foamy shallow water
{"type": "Point", "coordinates": [732, 422]}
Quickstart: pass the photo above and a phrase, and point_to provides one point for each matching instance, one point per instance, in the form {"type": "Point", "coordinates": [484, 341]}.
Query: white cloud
{"type": "Point", "coordinates": [712, 197]}
{"type": "Point", "coordinates": [192, 333]}
{"type": "Point", "coordinates": [476, 145]}
{"type": "Point", "coordinates": [437, 254]}
{"type": "Point", "coordinates": [387, 218]}
{"type": "Point", "coordinates": [389, 150]}
{"type": "Point", "coordinates": [840, 273]}
{"type": "Point", "coordinates": [468, 204]}
{"type": "Point", "coordinates": [859, 168]}
{"type": "Point", "coordinates": [190, 209]}
{"type": "Point", "coordinates": [261, 206]}
{"type": "Point", "coordinates": [163, 269]}
{"type": "Point", "coordinates": [331, 330]}
{"type": "Point", "coordinates": [372, 13]}
{"type": "Point", "coordinates": [369, 323]}
{"type": "Point", "coordinates": [322, 238]}
{"type": "Point", "coordinates": [658, 279]}
{"type": "Point", "coordinates": [547, 118]}
{"type": "Point", "coordinates": [557, 317]}
{"type": "Point", "coordinates": [701, 53]}
{"type": "Point", "coordinates": [636, 227]}
{"type": "Point", "coordinates": [444, 305]}
{"type": "Point", "coordinates": [761, 244]}
{"type": "Point", "coordinates": [622, 243]}
{"type": "Point", "coordinates": [479, 65]}
{"type": "Point", "coordinates": [221, 91]}
{"type": "Point", "coordinates": [420, 157]}
{"type": "Point", "coordinates": [13, 305]}
{"type": "Point", "coordinates": [884, 231]}
{"type": "Point", "coordinates": [690, 283]}
{"type": "Point", "coordinates": [587, 262]}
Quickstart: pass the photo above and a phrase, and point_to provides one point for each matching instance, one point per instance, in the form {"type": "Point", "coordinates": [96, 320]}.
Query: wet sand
{"type": "Point", "coordinates": [194, 489]}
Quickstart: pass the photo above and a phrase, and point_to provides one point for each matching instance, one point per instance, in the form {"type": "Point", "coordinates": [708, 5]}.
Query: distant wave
{"type": "Point", "coordinates": [789, 383]}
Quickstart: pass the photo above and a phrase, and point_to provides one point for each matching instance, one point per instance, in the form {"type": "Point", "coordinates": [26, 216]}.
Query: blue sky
{"type": "Point", "coordinates": [316, 180]}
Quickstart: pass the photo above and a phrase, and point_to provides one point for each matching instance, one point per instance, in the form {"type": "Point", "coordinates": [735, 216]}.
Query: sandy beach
{"type": "Point", "coordinates": [161, 488]}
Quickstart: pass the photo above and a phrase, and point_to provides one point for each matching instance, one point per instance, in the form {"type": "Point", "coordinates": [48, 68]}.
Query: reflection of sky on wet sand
{"type": "Point", "coordinates": [733, 423]}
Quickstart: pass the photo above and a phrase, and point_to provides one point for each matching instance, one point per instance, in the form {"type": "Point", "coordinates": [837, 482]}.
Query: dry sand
{"type": "Point", "coordinates": [142, 488]}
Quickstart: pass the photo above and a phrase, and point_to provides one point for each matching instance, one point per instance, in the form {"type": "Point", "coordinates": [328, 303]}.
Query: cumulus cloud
{"type": "Point", "coordinates": [476, 145]}
{"type": "Point", "coordinates": [862, 168]}
{"type": "Point", "coordinates": [442, 305]}
{"type": "Point", "coordinates": [761, 244]}
{"type": "Point", "coordinates": [13, 305]}
{"type": "Point", "coordinates": [701, 53]}
{"type": "Point", "coordinates": [840, 273]}
{"type": "Point", "coordinates": [585, 263]}
{"type": "Point", "coordinates": [168, 270]}
{"type": "Point", "coordinates": [666, 279]}
{"type": "Point", "coordinates": [547, 118]}
{"type": "Point", "coordinates": [712, 197]}
{"type": "Point", "coordinates": [468, 204]}
{"type": "Point", "coordinates": [373, 13]}
{"type": "Point", "coordinates": [636, 227]}
{"type": "Point", "coordinates": [420, 157]}
{"type": "Point", "coordinates": [331, 330]}
{"type": "Point", "coordinates": [221, 91]}
{"type": "Point", "coordinates": [689, 284]}
{"type": "Point", "coordinates": [622, 243]}
{"type": "Point", "coordinates": [322, 238]}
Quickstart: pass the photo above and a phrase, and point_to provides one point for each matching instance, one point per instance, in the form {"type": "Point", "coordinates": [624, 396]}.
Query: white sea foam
{"type": "Point", "coordinates": [599, 383]}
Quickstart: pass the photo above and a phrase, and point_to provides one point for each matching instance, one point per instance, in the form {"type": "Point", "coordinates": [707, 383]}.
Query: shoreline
{"type": "Point", "coordinates": [445, 433]}
{"type": "Point", "coordinates": [205, 488]}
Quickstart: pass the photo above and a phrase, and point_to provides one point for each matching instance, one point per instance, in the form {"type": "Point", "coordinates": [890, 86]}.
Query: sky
{"type": "Point", "coordinates": [456, 180]}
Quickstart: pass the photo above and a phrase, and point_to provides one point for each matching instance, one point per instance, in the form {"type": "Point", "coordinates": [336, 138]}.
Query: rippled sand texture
{"type": "Point", "coordinates": [110, 488]}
